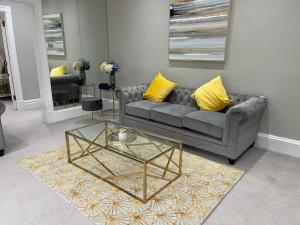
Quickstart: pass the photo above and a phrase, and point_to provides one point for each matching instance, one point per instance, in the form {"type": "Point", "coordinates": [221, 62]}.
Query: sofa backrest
{"type": "Point", "coordinates": [238, 98]}
{"type": "Point", "coordinates": [182, 96]}
{"type": "Point", "coordinates": [65, 79]}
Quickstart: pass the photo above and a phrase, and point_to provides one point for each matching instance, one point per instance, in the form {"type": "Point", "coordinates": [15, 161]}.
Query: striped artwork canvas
{"type": "Point", "coordinates": [54, 34]}
{"type": "Point", "coordinates": [199, 29]}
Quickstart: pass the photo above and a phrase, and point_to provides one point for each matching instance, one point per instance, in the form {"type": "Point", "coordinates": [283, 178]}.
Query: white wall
{"type": "Point", "coordinates": [23, 29]}
{"type": "Point", "coordinates": [263, 56]}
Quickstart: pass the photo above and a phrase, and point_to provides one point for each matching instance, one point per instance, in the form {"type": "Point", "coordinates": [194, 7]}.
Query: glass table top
{"type": "Point", "coordinates": [132, 143]}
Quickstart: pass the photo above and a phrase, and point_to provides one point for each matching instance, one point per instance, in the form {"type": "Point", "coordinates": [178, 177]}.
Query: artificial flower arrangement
{"type": "Point", "coordinates": [111, 68]}
{"type": "Point", "coordinates": [82, 65]}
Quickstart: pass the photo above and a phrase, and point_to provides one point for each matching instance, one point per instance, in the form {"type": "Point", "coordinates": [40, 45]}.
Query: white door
{"type": "Point", "coordinates": [7, 56]}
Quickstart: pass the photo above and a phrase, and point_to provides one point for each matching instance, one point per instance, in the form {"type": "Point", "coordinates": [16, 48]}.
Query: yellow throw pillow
{"type": "Point", "coordinates": [212, 96]}
{"type": "Point", "coordinates": [58, 71]}
{"type": "Point", "coordinates": [159, 89]}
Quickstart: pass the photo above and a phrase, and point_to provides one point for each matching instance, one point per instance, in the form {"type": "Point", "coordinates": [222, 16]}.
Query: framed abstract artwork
{"type": "Point", "coordinates": [199, 29]}
{"type": "Point", "coordinates": [54, 34]}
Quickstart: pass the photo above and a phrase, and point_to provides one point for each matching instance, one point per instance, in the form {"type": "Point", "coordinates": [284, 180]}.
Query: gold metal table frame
{"type": "Point", "coordinates": [113, 111]}
{"type": "Point", "coordinates": [155, 141]}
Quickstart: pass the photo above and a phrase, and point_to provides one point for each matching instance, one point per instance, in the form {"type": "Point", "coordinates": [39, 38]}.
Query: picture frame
{"type": "Point", "coordinates": [54, 34]}
{"type": "Point", "coordinates": [199, 30]}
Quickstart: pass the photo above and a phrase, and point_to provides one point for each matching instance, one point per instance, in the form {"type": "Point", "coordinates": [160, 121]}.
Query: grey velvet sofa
{"type": "Point", "coordinates": [228, 133]}
{"type": "Point", "coordinates": [2, 141]}
{"type": "Point", "coordinates": [65, 83]}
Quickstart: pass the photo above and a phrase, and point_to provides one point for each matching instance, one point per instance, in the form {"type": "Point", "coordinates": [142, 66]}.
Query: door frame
{"type": "Point", "coordinates": [11, 55]}
{"type": "Point", "coordinates": [48, 112]}
{"type": "Point", "coordinates": [7, 58]}
{"type": "Point", "coordinates": [40, 55]}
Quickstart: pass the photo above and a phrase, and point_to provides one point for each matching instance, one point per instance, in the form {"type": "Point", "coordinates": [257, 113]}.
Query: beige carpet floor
{"type": "Point", "coordinates": [189, 200]}
{"type": "Point", "coordinates": [269, 193]}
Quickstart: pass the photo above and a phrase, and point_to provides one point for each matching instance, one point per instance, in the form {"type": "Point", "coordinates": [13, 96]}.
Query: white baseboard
{"type": "Point", "coordinates": [71, 113]}
{"type": "Point", "coordinates": [278, 144]}
{"type": "Point", "coordinates": [32, 104]}
{"type": "Point", "coordinates": [64, 114]}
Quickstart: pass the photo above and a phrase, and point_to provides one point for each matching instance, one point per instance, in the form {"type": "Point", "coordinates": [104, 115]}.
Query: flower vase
{"type": "Point", "coordinates": [82, 77]}
{"type": "Point", "coordinates": [112, 80]}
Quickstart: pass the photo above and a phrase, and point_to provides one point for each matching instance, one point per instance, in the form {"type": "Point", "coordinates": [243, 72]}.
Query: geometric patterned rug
{"type": "Point", "coordinates": [189, 200]}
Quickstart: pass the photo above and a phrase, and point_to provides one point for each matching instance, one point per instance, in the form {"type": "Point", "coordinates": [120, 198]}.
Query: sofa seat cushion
{"type": "Point", "coordinates": [142, 108]}
{"type": "Point", "coordinates": [209, 123]}
{"type": "Point", "coordinates": [171, 114]}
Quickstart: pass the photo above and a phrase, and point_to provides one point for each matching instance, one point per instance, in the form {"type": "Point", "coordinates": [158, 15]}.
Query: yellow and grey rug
{"type": "Point", "coordinates": [189, 200]}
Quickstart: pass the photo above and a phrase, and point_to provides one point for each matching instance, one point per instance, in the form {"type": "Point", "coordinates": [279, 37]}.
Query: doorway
{"type": "Point", "coordinates": [11, 70]}
{"type": "Point", "coordinates": [7, 89]}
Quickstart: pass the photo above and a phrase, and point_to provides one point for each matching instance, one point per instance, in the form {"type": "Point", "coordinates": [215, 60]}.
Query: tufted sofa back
{"type": "Point", "coordinates": [182, 96]}
{"type": "Point", "coordinates": [238, 98]}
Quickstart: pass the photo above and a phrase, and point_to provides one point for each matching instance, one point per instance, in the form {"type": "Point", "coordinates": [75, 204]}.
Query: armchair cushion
{"type": "Point", "coordinates": [142, 108]}
{"type": "Point", "coordinates": [171, 114]}
{"type": "Point", "coordinates": [209, 123]}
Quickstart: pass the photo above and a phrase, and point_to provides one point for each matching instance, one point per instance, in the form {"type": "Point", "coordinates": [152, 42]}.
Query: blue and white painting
{"type": "Point", "coordinates": [199, 29]}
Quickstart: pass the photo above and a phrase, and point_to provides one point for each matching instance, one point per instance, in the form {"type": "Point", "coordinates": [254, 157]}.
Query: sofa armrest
{"type": "Point", "coordinates": [242, 117]}
{"type": "Point", "coordinates": [248, 109]}
{"type": "Point", "coordinates": [242, 124]}
{"type": "Point", "coordinates": [130, 94]}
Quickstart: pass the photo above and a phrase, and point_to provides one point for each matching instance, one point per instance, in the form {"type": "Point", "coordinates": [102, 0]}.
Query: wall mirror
{"type": "Point", "coordinates": [75, 30]}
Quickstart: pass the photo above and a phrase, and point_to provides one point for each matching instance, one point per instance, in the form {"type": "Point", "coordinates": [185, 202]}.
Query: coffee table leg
{"type": "Point", "coordinates": [106, 134]}
{"type": "Point", "coordinates": [145, 184]}
{"type": "Point", "coordinates": [68, 147]}
{"type": "Point", "coordinates": [180, 159]}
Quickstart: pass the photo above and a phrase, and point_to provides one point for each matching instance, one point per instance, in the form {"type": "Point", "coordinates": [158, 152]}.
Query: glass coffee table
{"type": "Point", "coordinates": [139, 163]}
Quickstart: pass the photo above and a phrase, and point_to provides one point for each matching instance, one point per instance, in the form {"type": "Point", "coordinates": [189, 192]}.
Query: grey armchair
{"type": "Point", "coordinates": [228, 133]}
{"type": "Point", "coordinates": [2, 142]}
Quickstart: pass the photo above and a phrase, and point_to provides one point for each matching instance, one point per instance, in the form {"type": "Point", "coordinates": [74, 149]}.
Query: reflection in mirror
{"type": "Point", "coordinates": [77, 43]}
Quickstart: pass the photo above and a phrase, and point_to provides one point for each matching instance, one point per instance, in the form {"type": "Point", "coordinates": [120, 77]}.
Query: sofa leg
{"type": "Point", "coordinates": [231, 161]}
{"type": "Point", "coordinates": [1, 152]}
